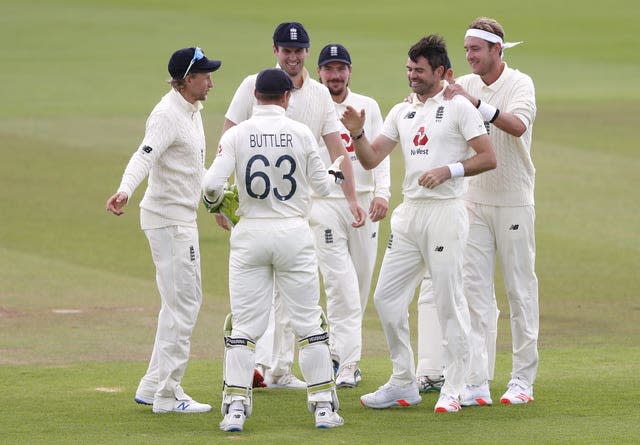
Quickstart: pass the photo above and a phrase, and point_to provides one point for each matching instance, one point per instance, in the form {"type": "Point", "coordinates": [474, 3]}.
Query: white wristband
{"type": "Point", "coordinates": [457, 170]}
{"type": "Point", "coordinates": [487, 111]}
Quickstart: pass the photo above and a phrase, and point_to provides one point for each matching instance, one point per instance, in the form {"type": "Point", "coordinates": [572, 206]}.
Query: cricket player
{"type": "Point", "coordinates": [172, 155]}
{"type": "Point", "coordinates": [441, 142]}
{"type": "Point", "coordinates": [311, 105]}
{"type": "Point", "coordinates": [277, 164]}
{"type": "Point", "coordinates": [502, 216]}
{"type": "Point", "coordinates": [347, 255]}
{"type": "Point", "coordinates": [430, 347]}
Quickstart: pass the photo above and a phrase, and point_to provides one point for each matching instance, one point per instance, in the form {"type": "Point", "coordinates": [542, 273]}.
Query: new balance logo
{"type": "Point", "coordinates": [147, 149]}
{"type": "Point", "coordinates": [374, 235]}
{"type": "Point", "coordinates": [328, 236]}
{"type": "Point", "coordinates": [192, 253]}
{"type": "Point", "coordinates": [514, 227]}
{"type": "Point", "coordinates": [183, 406]}
{"type": "Point", "coordinates": [439, 248]}
{"type": "Point", "coordinates": [487, 126]}
{"type": "Point", "coordinates": [410, 115]}
{"type": "Point", "coordinates": [390, 242]}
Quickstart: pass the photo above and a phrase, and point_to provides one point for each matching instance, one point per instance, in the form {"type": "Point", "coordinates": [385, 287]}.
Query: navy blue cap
{"type": "Point", "coordinates": [273, 81]}
{"type": "Point", "coordinates": [291, 35]}
{"type": "Point", "coordinates": [190, 60]}
{"type": "Point", "coordinates": [334, 52]}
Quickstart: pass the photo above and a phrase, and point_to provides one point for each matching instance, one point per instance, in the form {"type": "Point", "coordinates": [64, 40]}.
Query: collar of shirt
{"type": "Point", "coordinates": [183, 104]}
{"type": "Point", "coordinates": [495, 86]}
{"type": "Point", "coordinates": [268, 110]}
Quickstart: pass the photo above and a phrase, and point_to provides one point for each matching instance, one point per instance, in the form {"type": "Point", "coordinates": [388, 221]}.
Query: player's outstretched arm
{"type": "Point", "coordinates": [369, 154]}
{"type": "Point", "coordinates": [336, 149]}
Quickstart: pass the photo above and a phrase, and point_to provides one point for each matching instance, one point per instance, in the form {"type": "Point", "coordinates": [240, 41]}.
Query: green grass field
{"type": "Point", "coordinates": [78, 303]}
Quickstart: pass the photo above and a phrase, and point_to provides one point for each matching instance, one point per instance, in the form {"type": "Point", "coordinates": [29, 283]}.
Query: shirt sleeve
{"type": "Point", "coordinates": [241, 106]}
{"type": "Point", "coordinates": [470, 122]}
{"type": "Point", "coordinates": [160, 133]}
{"type": "Point", "coordinates": [331, 120]}
{"type": "Point", "coordinates": [222, 167]}
{"type": "Point", "coordinates": [319, 177]}
{"type": "Point", "coordinates": [390, 126]}
{"type": "Point", "coordinates": [522, 101]}
{"type": "Point", "coordinates": [382, 173]}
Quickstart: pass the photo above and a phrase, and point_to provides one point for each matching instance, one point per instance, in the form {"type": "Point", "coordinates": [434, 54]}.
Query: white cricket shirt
{"type": "Point", "coordinates": [310, 104]}
{"type": "Point", "coordinates": [513, 180]}
{"type": "Point", "coordinates": [432, 135]}
{"type": "Point", "coordinates": [172, 155]}
{"type": "Point", "coordinates": [377, 180]}
{"type": "Point", "coordinates": [276, 163]}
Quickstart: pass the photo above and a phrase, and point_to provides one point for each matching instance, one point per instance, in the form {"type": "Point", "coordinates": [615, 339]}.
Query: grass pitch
{"type": "Point", "coordinates": [78, 303]}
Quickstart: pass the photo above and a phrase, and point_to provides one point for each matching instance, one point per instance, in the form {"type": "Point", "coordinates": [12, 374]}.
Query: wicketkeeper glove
{"type": "Point", "coordinates": [226, 204]}
{"type": "Point", "coordinates": [334, 170]}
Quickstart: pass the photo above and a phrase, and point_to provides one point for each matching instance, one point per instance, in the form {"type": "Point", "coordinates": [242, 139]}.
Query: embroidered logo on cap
{"type": "Point", "coordinates": [334, 51]}
{"type": "Point", "coordinates": [293, 33]}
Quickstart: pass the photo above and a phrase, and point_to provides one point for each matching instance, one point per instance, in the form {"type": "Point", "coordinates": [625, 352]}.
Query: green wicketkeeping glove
{"type": "Point", "coordinates": [230, 204]}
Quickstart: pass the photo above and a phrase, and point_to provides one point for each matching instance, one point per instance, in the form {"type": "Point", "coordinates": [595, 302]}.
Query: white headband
{"type": "Point", "coordinates": [490, 37]}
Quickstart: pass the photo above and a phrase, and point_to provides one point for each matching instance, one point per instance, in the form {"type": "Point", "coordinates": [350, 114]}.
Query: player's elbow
{"type": "Point", "coordinates": [491, 161]}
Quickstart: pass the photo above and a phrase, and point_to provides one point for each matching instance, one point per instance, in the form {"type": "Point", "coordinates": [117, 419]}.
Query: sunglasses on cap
{"type": "Point", "coordinates": [197, 55]}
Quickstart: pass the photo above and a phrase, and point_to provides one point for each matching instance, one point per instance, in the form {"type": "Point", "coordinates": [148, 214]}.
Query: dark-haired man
{"type": "Point", "coordinates": [277, 164]}
{"type": "Point", "coordinates": [441, 141]}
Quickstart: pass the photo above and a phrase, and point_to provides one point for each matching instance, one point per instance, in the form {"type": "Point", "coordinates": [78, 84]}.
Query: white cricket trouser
{"type": "Point", "coordinates": [276, 348]}
{"type": "Point", "coordinates": [509, 232]}
{"type": "Point", "coordinates": [267, 253]}
{"type": "Point", "coordinates": [430, 345]}
{"type": "Point", "coordinates": [346, 257]}
{"type": "Point", "coordinates": [176, 255]}
{"type": "Point", "coordinates": [426, 234]}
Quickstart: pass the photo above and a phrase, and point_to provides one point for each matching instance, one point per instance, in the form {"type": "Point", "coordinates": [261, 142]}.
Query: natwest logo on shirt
{"type": "Point", "coordinates": [420, 138]}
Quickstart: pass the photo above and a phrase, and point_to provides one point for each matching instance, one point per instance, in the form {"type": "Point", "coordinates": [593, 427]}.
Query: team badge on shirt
{"type": "Point", "coordinates": [219, 150]}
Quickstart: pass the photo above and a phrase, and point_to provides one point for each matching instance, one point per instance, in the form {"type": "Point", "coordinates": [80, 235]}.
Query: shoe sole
{"type": "Point", "coordinates": [140, 401]}
{"type": "Point", "coordinates": [328, 425]}
{"type": "Point", "coordinates": [346, 385]}
{"type": "Point", "coordinates": [516, 402]}
{"type": "Point", "coordinates": [403, 403]}
{"type": "Point", "coordinates": [477, 402]}
{"type": "Point", "coordinates": [445, 410]}
{"type": "Point", "coordinates": [232, 429]}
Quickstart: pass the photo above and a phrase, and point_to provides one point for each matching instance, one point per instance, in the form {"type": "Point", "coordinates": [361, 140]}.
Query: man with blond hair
{"type": "Point", "coordinates": [502, 215]}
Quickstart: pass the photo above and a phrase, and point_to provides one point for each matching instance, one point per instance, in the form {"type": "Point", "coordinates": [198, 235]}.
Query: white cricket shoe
{"type": "Point", "coordinates": [389, 395]}
{"type": "Point", "coordinates": [476, 395]}
{"type": "Point", "coordinates": [430, 384]}
{"type": "Point", "coordinates": [143, 399]}
{"type": "Point", "coordinates": [447, 404]}
{"type": "Point", "coordinates": [517, 393]}
{"type": "Point", "coordinates": [188, 406]}
{"type": "Point", "coordinates": [348, 376]}
{"type": "Point", "coordinates": [326, 417]}
{"type": "Point", "coordinates": [233, 422]}
{"type": "Point", "coordinates": [286, 381]}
